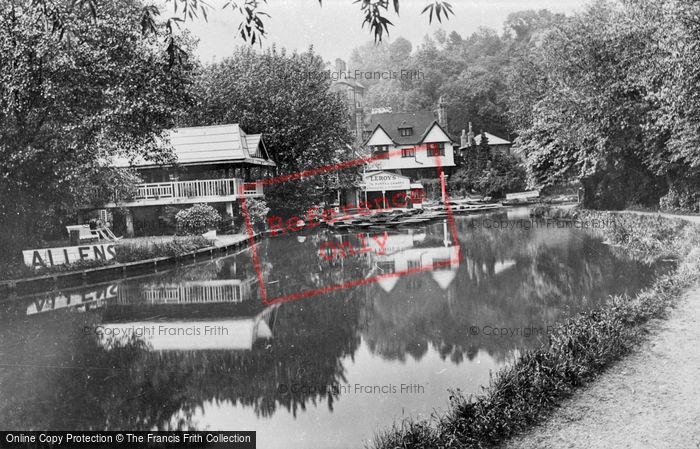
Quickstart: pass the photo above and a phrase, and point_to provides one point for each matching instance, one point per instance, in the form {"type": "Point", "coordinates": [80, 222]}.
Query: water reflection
{"type": "Point", "coordinates": [196, 347]}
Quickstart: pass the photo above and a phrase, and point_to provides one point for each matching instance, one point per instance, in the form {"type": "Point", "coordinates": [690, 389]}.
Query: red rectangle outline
{"type": "Point", "coordinates": [359, 282]}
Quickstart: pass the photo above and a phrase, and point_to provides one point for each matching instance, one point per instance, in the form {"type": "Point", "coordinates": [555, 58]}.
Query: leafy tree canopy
{"type": "Point", "coordinates": [67, 105]}
{"type": "Point", "coordinates": [287, 98]}
{"type": "Point", "coordinates": [610, 98]}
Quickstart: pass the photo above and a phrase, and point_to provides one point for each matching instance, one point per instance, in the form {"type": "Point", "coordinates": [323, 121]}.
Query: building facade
{"type": "Point", "coordinates": [352, 92]}
{"type": "Point", "coordinates": [218, 165]}
{"type": "Point", "coordinates": [406, 147]}
{"type": "Point", "coordinates": [496, 144]}
{"type": "Point", "coordinates": [412, 144]}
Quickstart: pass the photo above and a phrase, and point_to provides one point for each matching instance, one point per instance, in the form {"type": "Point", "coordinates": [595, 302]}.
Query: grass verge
{"type": "Point", "coordinates": [579, 349]}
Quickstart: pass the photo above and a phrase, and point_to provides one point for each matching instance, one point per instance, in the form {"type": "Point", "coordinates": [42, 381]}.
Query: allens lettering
{"type": "Point", "coordinates": [50, 257]}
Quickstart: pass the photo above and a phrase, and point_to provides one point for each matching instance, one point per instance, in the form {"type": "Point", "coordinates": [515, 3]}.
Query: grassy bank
{"type": "Point", "coordinates": [524, 392]}
{"type": "Point", "coordinates": [130, 250]}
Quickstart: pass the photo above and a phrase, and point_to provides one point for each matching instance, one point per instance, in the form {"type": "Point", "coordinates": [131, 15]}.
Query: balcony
{"type": "Point", "coordinates": [191, 192]}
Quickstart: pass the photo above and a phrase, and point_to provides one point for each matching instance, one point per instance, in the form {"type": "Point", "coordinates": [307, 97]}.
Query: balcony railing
{"type": "Point", "coordinates": [204, 190]}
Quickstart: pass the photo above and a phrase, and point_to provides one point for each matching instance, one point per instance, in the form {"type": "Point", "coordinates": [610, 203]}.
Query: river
{"type": "Point", "coordinates": [319, 341]}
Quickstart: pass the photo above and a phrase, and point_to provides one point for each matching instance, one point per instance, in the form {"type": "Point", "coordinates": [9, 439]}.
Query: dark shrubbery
{"type": "Point", "coordinates": [685, 201]}
{"type": "Point", "coordinates": [494, 176]}
{"type": "Point", "coordinates": [257, 214]}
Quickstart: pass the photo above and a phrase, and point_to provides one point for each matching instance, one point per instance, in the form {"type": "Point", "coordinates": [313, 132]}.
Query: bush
{"type": "Point", "coordinates": [685, 201]}
{"type": "Point", "coordinates": [292, 198]}
{"type": "Point", "coordinates": [502, 173]}
{"type": "Point", "coordinates": [257, 212]}
{"type": "Point", "coordinates": [132, 251]}
{"type": "Point", "coordinates": [432, 189]}
{"type": "Point", "coordinates": [198, 219]}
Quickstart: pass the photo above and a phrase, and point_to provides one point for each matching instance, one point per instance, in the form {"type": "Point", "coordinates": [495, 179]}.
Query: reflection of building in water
{"type": "Point", "coordinates": [236, 333]}
{"type": "Point", "coordinates": [409, 253]}
{"type": "Point", "coordinates": [190, 292]}
{"type": "Point", "coordinates": [441, 262]}
{"type": "Point", "coordinates": [192, 315]}
{"type": "Point", "coordinates": [80, 299]}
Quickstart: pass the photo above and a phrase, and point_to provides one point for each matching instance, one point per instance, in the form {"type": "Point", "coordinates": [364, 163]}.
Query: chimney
{"type": "Point", "coordinates": [470, 136]}
{"type": "Point", "coordinates": [360, 126]}
{"type": "Point", "coordinates": [463, 139]}
{"type": "Point", "coordinates": [340, 66]}
{"type": "Point", "coordinates": [442, 113]}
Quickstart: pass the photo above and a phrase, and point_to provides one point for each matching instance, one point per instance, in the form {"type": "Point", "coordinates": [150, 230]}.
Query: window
{"type": "Point", "coordinates": [408, 152]}
{"type": "Point", "coordinates": [381, 151]}
{"type": "Point", "coordinates": [436, 149]}
{"type": "Point", "coordinates": [386, 266]}
{"type": "Point", "coordinates": [414, 283]}
{"type": "Point", "coordinates": [406, 131]}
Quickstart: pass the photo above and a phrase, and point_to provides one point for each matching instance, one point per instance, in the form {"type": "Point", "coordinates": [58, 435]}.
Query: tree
{"type": "Point", "coordinates": [285, 97]}
{"type": "Point", "coordinates": [605, 100]}
{"type": "Point", "coordinates": [251, 27]}
{"type": "Point", "coordinates": [470, 73]}
{"type": "Point", "coordinates": [503, 174]}
{"type": "Point", "coordinates": [483, 152]}
{"type": "Point", "coordinates": [68, 105]}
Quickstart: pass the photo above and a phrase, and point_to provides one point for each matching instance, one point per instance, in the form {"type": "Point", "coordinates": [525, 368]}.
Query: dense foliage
{"type": "Point", "coordinates": [607, 97]}
{"type": "Point", "coordinates": [287, 98]}
{"type": "Point", "coordinates": [67, 105]}
{"type": "Point", "coordinates": [486, 172]}
{"type": "Point", "coordinates": [135, 250]}
{"type": "Point", "coordinates": [610, 98]}
{"type": "Point", "coordinates": [197, 219]}
{"type": "Point", "coordinates": [471, 73]}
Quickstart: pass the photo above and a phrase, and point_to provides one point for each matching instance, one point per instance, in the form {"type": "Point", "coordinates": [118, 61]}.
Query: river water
{"type": "Point", "coordinates": [307, 363]}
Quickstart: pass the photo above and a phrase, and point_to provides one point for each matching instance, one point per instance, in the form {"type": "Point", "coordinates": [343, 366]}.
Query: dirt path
{"type": "Point", "coordinates": [691, 218]}
{"type": "Point", "coordinates": [650, 399]}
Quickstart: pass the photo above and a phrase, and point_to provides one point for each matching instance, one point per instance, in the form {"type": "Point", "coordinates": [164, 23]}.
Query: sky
{"type": "Point", "coordinates": [334, 29]}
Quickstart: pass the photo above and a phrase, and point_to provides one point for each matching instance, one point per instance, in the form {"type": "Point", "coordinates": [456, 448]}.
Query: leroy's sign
{"type": "Point", "coordinates": [49, 257]}
{"type": "Point", "coordinates": [384, 181]}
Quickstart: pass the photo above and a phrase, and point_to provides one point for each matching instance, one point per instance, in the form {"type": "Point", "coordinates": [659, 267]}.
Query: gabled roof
{"type": "Point", "coordinates": [391, 122]}
{"type": "Point", "coordinates": [430, 128]}
{"type": "Point", "coordinates": [493, 140]}
{"type": "Point", "coordinates": [210, 144]}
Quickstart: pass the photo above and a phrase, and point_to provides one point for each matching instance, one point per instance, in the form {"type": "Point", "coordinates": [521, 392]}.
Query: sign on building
{"type": "Point", "coordinates": [384, 181]}
{"type": "Point", "coordinates": [49, 257]}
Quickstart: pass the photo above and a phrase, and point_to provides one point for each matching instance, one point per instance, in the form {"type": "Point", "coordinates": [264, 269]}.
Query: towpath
{"type": "Point", "coordinates": [650, 399]}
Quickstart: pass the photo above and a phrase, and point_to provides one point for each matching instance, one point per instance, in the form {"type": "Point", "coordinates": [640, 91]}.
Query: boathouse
{"type": "Point", "coordinates": [212, 164]}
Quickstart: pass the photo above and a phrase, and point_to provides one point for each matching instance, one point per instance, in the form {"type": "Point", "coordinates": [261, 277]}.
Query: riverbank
{"type": "Point", "coordinates": [579, 350]}
{"type": "Point", "coordinates": [649, 399]}
{"type": "Point", "coordinates": [134, 256]}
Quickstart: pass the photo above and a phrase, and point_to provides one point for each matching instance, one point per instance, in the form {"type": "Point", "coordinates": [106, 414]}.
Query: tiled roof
{"type": "Point", "coordinates": [391, 122]}
{"type": "Point", "coordinates": [208, 144]}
